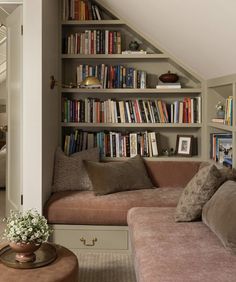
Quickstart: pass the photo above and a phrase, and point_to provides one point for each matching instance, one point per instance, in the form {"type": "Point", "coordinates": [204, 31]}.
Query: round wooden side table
{"type": "Point", "coordinates": [64, 269]}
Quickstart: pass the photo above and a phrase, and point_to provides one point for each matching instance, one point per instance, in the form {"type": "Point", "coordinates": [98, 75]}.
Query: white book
{"type": "Point", "coordinates": [129, 52]}
{"type": "Point", "coordinates": [181, 111]}
{"type": "Point", "coordinates": [133, 144]}
{"type": "Point", "coordinates": [192, 111]}
{"type": "Point", "coordinates": [143, 80]}
{"type": "Point", "coordinates": [127, 111]}
{"type": "Point", "coordinates": [106, 41]}
{"type": "Point", "coordinates": [154, 144]}
{"type": "Point", "coordinates": [199, 109]}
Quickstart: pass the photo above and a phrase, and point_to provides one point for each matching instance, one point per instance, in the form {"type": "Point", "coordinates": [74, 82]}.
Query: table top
{"type": "Point", "coordinates": [64, 268]}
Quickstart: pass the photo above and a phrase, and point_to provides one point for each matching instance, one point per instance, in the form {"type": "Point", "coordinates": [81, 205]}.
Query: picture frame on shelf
{"type": "Point", "coordinates": [184, 145]}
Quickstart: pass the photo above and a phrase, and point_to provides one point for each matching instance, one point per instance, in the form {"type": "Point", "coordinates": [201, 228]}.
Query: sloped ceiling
{"type": "Point", "coordinates": [200, 33]}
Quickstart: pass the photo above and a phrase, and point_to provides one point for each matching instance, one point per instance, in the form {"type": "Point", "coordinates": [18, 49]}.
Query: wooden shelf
{"type": "Point", "coordinates": [133, 90]}
{"type": "Point", "coordinates": [115, 56]}
{"type": "Point", "coordinates": [161, 158]}
{"type": "Point", "coordinates": [221, 126]}
{"type": "Point", "coordinates": [93, 23]}
{"type": "Point", "coordinates": [131, 125]}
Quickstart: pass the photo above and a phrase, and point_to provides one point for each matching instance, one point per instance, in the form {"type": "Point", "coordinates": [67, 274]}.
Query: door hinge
{"type": "Point", "coordinates": [21, 28]}
{"type": "Point", "coordinates": [21, 199]}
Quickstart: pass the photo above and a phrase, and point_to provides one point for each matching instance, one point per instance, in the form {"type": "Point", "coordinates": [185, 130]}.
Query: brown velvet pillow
{"type": "Point", "coordinates": [70, 173]}
{"type": "Point", "coordinates": [219, 214]}
{"type": "Point", "coordinates": [197, 192]}
{"type": "Point", "coordinates": [113, 177]}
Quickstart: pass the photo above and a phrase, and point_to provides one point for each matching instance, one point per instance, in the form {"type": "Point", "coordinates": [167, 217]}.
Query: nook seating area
{"type": "Point", "coordinates": [163, 249]}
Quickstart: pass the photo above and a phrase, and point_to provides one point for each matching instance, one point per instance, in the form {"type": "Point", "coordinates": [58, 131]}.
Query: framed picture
{"type": "Point", "coordinates": [184, 145]}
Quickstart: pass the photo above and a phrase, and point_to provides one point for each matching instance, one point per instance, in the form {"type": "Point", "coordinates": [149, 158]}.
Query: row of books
{"type": "Point", "coordinates": [80, 10]}
{"type": "Point", "coordinates": [114, 144]}
{"type": "Point", "coordinates": [221, 148]}
{"type": "Point", "coordinates": [229, 111]}
{"type": "Point", "coordinates": [93, 42]}
{"type": "Point", "coordinates": [113, 76]}
{"type": "Point", "coordinates": [131, 111]}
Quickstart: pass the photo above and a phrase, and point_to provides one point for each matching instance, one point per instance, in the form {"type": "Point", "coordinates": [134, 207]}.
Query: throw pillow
{"type": "Point", "coordinates": [197, 192]}
{"type": "Point", "coordinates": [226, 172]}
{"type": "Point", "coordinates": [70, 173]}
{"type": "Point", "coordinates": [219, 214]}
{"type": "Point", "coordinates": [113, 177]}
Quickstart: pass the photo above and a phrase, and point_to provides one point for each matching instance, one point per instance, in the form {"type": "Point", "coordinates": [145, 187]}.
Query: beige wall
{"type": "Point", "coordinates": [50, 101]}
{"type": "Point", "coordinates": [198, 32]}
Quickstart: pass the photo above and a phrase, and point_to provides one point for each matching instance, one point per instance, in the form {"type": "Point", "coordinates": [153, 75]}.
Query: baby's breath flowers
{"type": "Point", "coordinates": [26, 227]}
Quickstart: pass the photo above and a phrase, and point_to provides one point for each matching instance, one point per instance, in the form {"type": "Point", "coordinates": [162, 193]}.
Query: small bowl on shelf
{"type": "Point", "coordinates": [169, 77]}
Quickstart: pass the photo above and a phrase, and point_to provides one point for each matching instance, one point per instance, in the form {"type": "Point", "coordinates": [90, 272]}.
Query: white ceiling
{"type": "Point", "coordinates": [201, 33]}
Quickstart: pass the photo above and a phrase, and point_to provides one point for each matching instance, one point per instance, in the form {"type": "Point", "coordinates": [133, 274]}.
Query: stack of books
{"type": "Point", "coordinates": [113, 76]}
{"type": "Point", "coordinates": [93, 42]}
{"type": "Point", "coordinates": [221, 147]}
{"type": "Point", "coordinates": [80, 10]}
{"type": "Point", "coordinates": [114, 144]}
{"type": "Point", "coordinates": [162, 85]}
{"type": "Point", "coordinates": [131, 111]}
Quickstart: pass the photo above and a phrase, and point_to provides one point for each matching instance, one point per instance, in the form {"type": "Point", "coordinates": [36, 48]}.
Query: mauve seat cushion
{"type": "Point", "coordinates": [83, 207]}
{"type": "Point", "coordinates": [177, 252]}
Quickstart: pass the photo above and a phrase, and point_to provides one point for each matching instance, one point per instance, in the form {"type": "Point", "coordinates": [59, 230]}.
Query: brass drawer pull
{"type": "Point", "coordinates": [94, 240]}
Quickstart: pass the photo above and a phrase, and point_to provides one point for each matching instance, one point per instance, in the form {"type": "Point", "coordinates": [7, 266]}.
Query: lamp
{"type": "Point", "coordinates": [88, 82]}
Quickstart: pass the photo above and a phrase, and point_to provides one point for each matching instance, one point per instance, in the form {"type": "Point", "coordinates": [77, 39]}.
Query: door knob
{"type": "Point", "coordinates": [4, 128]}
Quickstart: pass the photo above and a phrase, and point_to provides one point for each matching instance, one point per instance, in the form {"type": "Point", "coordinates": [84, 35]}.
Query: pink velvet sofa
{"type": "Point", "coordinates": [84, 208]}
{"type": "Point", "coordinates": [166, 251]}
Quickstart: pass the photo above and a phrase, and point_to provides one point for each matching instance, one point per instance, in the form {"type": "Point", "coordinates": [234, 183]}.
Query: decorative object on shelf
{"type": "Point", "coordinates": [90, 82]}
{"type": "Point", "coordinates": [168, 152]}
{"type": "Point", "coordinates": [26, 231]}
{"type": "Point", "coordinates": [184, 145]}
{"type": "Point", "coordinates": [220, 112]}
{"type": "Point", "coordinates": [169, 77]}
{"type": "Point", "coordinates": [54, 82]}
{"type": "Point", "coordinates": [133, 46]}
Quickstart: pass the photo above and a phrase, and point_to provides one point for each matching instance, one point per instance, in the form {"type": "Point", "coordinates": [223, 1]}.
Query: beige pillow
{"type": "Point", "coordinates": [197, 192]}
{"type": "Point", "coordinates": [226, 172]}
{"type": "Point", "coordinates": [113, 177]}
{"type": "Point", "coordinates": [219, 214]}
{"type": "Point", "coordinates": [70, 173]}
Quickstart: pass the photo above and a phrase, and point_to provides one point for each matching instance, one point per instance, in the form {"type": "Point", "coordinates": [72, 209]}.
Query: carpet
{"type": "Point", "coordinates": [106, 267]}
{"type": "Point", "coordinates": [94, 267]}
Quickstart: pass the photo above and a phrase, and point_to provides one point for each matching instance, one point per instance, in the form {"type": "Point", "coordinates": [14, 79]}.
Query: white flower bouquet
{"type": "Point", "coordinates": [26, 227]}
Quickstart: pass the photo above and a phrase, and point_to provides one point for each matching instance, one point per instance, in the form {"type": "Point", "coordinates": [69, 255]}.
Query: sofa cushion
{"type": "Point", "coordinates": [220, 212]}
{"type": "Point", "coordinates": [114, 177]}
{"type": "Point", "coordinates": [197, 192]}
{"type": "Point", "coordinates": [171, 173]}
{"type": "Point", "coordinates": [83, 207]}
{"type": "Point", "coordinates": [164, 250]}
{"type": "Point", "coordinates": [70, 173]}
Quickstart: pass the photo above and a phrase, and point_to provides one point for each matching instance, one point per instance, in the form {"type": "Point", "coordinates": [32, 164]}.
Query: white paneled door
{"type": "Point", "coordinates": [14, 109]}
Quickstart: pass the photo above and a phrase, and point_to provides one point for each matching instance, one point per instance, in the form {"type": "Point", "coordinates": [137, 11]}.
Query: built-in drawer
{"type": "Point", "coordinates": [94, 237]}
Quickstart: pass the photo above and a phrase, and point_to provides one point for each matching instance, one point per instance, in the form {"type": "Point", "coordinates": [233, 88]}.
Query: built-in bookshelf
{"type": "Point", "coordinates": [128, 103]}
{"type": "Point", "coordinates": [221, 132]}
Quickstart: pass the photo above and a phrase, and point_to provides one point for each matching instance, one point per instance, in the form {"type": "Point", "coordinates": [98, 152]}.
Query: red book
{"type": "Point", "coordinates": [77, 8]}
{"type": "Point", "coordinates": [189, 110]}
{"type": "Point", "coordinates": [86, 11]}
{"type": "Point", "coordinates": [137, 113]}
{"type": "Point", "coordinates": [110, 44]}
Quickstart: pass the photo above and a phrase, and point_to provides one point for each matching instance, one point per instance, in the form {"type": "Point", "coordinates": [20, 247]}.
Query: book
{"type": "Point", "coordinates": [128, 52]}
{"type": "Point", "coordinates": [218, 120]}
{"type": "Point", "coordinates": [176, 85]}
